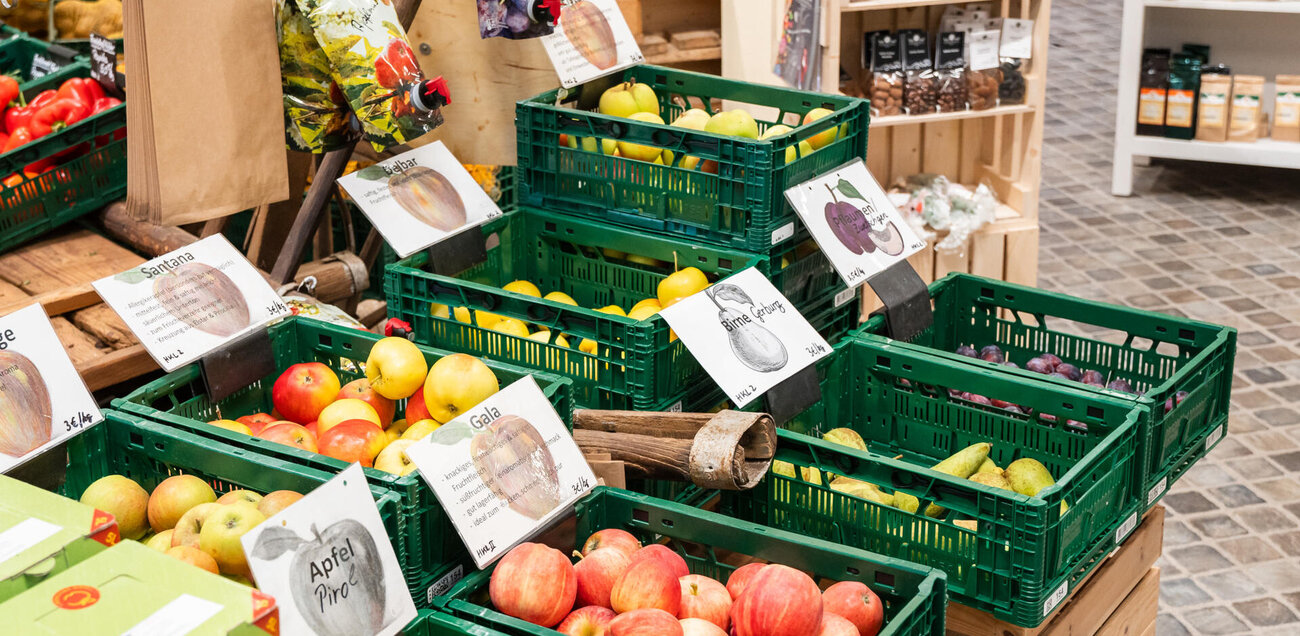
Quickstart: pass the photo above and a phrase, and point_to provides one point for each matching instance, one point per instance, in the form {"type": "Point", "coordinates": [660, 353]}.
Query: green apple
{"type": "Point", "coordinates": [161, 541]}
{"type": "Point", "coordinates": [825, 137]}
{"type": "Point", "coordinates": [627, 98]}
{"type": "Point", "coordinates": [805, 148]}
{"type": "Point", "coordinates": [638, 151]}
{"type": "Point", "coordinates": [736, 123]}
{"type": "Point", "coordinates": [604, 146]}
{"type": "Point", "coordinates": [124, 499]}
{"type": "Point", "coordinates": [221, 533]}
{"type": "Point", "coordinates": [694, 119]}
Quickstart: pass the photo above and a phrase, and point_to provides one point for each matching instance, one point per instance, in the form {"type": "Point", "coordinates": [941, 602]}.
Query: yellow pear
{"type": "Point", "coordinates": [439, 311]}
{"type": "Point", "coordinates": [545, 336]}
{"type": "Point", "coordinates": [736, 123]}
{"type": "Point", "coordinates": [512, 327]}
{"type": "Point", "coordinates": [560, 297]}
{"type": "Point", "coordinates": [523, 287]}
{"type": "Point", "coordinates": [680, 284]}
{"type": "Point", "coordinates": [628, 98]}
{"type": "Point", "coordinates": [643, 260]}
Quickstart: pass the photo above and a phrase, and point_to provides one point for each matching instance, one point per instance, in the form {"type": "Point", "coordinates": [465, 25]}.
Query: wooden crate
{"type": "Point", "coordinates": [57, 273]}
{"type": "Point", "coordinates": [1118, 598]}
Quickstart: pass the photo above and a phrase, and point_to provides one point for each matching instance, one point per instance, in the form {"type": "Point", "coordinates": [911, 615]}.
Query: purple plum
{"type": "Point", "coordinates": [968, 351]}
{"type": "Point", "coordinates": [1051, 359]}
{"type": "Point", "coordinates": [979, 399]}
{"type": "Point", "coordinates": [1076, 424]}
{"type": "Point", "coordinates": [1093, 376]}
{"type": "Point", "coordinates": [1002, 404]}
{"type": "Point", "coordinates": [844, 217]}
{"type": "Point", "coordinates": [1069, 370]}
{"type": "Point", "coordinates": [1055, 374]}
{"type": "Point", "coordinates": [1179, 397]}
{"type": "Point", "coordinates": [1120, 385]}
{"type": "Point", "coordinates": [992, 349]}
{"type": "Point", "coordinates": [1011, 364]}
{"type": "Point", "coordinates": [1039, 365]}
{"type": "Point", "coordinates": [1014, 409]}
{"type": "Point", "coordinates": [995, 357]}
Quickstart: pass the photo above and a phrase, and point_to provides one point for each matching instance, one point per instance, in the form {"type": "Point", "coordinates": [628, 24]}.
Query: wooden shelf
{"type": "Point", "coordinates": [1277, 6]}
{"type": "Point", "coordinates": [677, 56]}
{"type": "Point", "coordinates": [878, 5]}
{"type": "Point", "coordinates": [905, 120]}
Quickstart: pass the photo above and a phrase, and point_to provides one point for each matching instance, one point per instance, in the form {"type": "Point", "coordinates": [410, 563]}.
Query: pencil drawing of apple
{"type": "Point", "coordinates": [337, 576]}
{"type": "Point", "coordinates": [204, 298]}
{"type": "Point", "coordinates": [512, 458]}
{"type": "Point", "coordinates": [26, 420]}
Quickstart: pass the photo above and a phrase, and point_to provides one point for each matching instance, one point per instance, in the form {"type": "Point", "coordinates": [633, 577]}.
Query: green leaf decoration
{"type": "Point", "coordinates": [131, 276]}
{"type": "Point", "coordinates": [848, 190]}
{"type": "Point", "coordinates": [372, 173]}
{"type": "Point", "coordinates": [274, 542]}
{"type": "Point", "coordinates": [452, 434]}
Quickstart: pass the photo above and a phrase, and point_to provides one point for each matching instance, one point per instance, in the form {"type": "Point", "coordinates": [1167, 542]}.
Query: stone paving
{"type": "Point", "coordinates": [1214, 242]}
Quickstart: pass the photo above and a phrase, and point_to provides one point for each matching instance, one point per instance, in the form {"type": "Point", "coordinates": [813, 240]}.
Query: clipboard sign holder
{"type": "Point", "coordinates": [906, 301]}
{"type": "Point", "coordinates": [237, 364]}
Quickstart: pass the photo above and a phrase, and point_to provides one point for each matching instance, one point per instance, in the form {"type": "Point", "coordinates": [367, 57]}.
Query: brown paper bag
{"type": "Point", "coordinates": [207, 119]}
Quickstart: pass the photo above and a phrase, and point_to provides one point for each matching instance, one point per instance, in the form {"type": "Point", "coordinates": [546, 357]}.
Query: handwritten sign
{"type": "Point", "coordinates": [189, 302]}
{"type": "Point", "coordinates": [43, 401]}
{"type": "Point", "coordinates": [745, 334]}
{"type": "Point", "coordinates": [103, 62]}
{"type": "Point", "coordinates": [503, 470]}
{"type": "Point", "coordinates": [592, 40]}
{"type": "Point", "coordinates": [419, 197]}
{"type": "Point", "coordinates": [853, 222]}
{"type": "Point", "coordinates": [328, 561]}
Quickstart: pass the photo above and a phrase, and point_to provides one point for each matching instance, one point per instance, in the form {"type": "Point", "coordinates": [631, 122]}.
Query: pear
{"type": "Point", "coordinates": [989, 467]}
{"type": "Point", "coordinates": [961, 464]}
{"type": "Point", "coordinates": [845, 437]}
{"type": "Point", "coordinates": [638, 151]}
{"type": "Point", "coordinates": [1028, 476]}
{"type": "Point", "coordinates": [786, 469]}
{"type": "Point", "coordinates": [906, 502]}
{"type": "Point", "coordinates": [861, 490]}
{"type": "Point", "coordinates": [995, 480]}
{"type": "Point", "coordinates": [694, 119]}
{"type": "Point", "coordinates": [736, 123]}
{"type": "Point", "coordinates": [804, 148]}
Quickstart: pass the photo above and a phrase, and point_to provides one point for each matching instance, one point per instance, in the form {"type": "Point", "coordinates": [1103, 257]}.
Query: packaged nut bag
{"type": "Point", "coordinates": [1153, 85]}
{"type": "Point", "coordinates": [1286, 108]}
{"type": "Point", "coordinates": [1184, 84]}
{"type": "Point", "coordinates": [983, 78]}
{"type": "Point", "coordinates": [1245, 122]}
{"type": "Point", "coordinates": [1014, 50]}
{"type": "Point", "coordinates": [919, 92]}
{"type": "Point", "coordinates": [950, 71]}
{"type": "Point", "coordinates": [886, 77]}
{"type": "Point", "coordinates": [1212, 104]}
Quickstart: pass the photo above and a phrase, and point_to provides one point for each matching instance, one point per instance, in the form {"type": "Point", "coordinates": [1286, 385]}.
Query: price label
{"type": "Point", "coordinates": [328, 562]}
{"type": "Point", "coordinates": [184, 304]}
{"type": "Point", "coordinates": [853, 222]}
{"type": "Point", "coordinates": [103, 62]}
{"type": "Point", "coordinates": [42, 66]}
{"type": "Point", "coordinates": [503, 470]}
{"type": "Point", "coordinates": [745, 334]}
{"type": "Point", "coordinates": [43, 401]}
{"type": "Point", "coordinates": [419, 197]}
{"type": "Point", "coordinates": [592, 40]}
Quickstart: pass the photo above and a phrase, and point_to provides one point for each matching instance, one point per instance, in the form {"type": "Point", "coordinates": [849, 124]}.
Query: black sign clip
{"type": "Point", "coordinates": [793, 395]}
{"type": "Point", "coordinates": [238, 364]}
{"type": "Point", "coordinates": [906, 299]}
{"type": "Point", "coordinates": [458, 252]}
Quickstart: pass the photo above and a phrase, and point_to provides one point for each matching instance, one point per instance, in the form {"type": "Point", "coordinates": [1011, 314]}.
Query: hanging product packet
{"type": "Point", "coordinates": [1198, 51]}
{"type": "Point", "coordinates": [1152, 86]}
{"type": "Point", "coordinates": [951, 16]}
{"type": "Point", "coordinates": [315, 113]}
{"type": "Point", "coordinates": [1014, 51]}
{"type": "Point", "coordinates": [375, 67]}
{"type": "Point", "coordinates": [950, 71]}
{"type": "Point", "coordinates": [886, 92]}
{"type": "Point", "coordinates": [1184, 84]}
{"type": "Point", "coordinates": [1245, 122]}
{"type": "Point", "coordinates": [983, 78]}
{"type": "Point", "coordinates": [1212, 104]}
{"type": "Point", "coordinates": [517, 19]}
{"type": "Point", "coordinates": [919, 95]}
{"type": "Point", "coordinates": [1286, 108]}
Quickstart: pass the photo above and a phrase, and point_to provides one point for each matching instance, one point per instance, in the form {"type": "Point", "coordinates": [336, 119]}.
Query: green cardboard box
{"type": "Point", "coordinates": [42, 534]}
{"type": "Point", "coordinates": [134, 588]}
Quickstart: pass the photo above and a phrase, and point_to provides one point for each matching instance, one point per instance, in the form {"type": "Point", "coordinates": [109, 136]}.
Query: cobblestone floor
{"type": "Point", "coordinates": [1213, 242]}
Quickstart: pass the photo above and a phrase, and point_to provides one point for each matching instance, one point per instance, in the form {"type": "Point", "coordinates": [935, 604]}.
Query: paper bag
{"type": "Point", "coordinates": [207, 124]}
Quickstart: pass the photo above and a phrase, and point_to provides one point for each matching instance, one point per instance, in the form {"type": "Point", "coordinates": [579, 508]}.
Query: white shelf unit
{"type": "Point", "coordinates": [1253, 37]}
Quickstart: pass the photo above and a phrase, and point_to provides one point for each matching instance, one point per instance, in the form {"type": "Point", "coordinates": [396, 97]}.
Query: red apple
{"type": "Point", "coordinates": [700, 627]}
{"type": "Point", "coordinates": [703, 597]}
{"type": "Point", "coordinates": [587, 621]}
{"type": "Point", "coordinates": [597, 573]}
{"type": "Point", "coordinates": [289, 434]}
{"type": "Point", "coordinates": [645, 622]}
{"type": "Point", "coordinates": [611, 538]}
{"type": "Point", "coordinates": [740, 578]}
{"type": "Point", "coordinates": [676, 564]}
{"type": "Point", "coordinates": [304, 390]}
{"type": "Point", "coordinates": [255, 422]}
{"type": "Point", "coordinates": [857, 603]}
{"type": "Point", "coordinates": [647, 583]}
{"type": "Point", "coordinates": [311, 428]}
{"type": "Point", "coordinates": [361, 390]}
{"type": "Point", "coordinates": [779, 601]}
{"type": "Point", "coordinates": [415, 409]}
{"type": "Point", "coordinates": [535, 583]}
{"type": "Point", "coordinates": [836, 625]}
{"type": "Point", "coordinates": [353, 441]}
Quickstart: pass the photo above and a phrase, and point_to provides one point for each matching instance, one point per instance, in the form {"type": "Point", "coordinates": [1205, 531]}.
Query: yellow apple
{"type": "Point", "coordinates": [343, 410]}
{"type": "Point", "coordinates": [456, 384]}
{"type": "Point", "coordinates": [644, 311]}
{"type": "Point", "coordinates": [232, 425]}
{"type": "Point", "coordinates": [191, 524]}
{"type": "Point", "coordinates": [393, 458]}
{"type": "Point", "coordinates": [122, 498]}
{"type": "Point", "coordinates": [612, 309]}
{"type": "Point", "coordinates": [588, 346]}
{"type": "Point", "coordinates": [545, 336]}
{"type": "Point", "coordinates": [736, 123]}
{"type": "Point", "coordinates": [222, 531]}
{"type": "Point", "coordinates": [161, 541]}
{"type": "Point", "coordinates": [236, 496]}
{"type": "Point", "coordinates": [523, 287]}
{"type": "Point", "coordinates": [175, 496]}
{"type": "Point", "coordinates": [560, 297]}
{"type": "Point", "coordinates": [791, 154]}
{"type": "Point", "coordinates": [395, 368]}
{"type": "Point", "coordinates": [638, 151]}
{"type": "Point", "coordinates": [439, 311]}
{"type": "Point", "coordinates": [194, 557]}
{"type": "Point", "coordinates": [644, 260]}
{"type": "Point", "coordinates": [680, 284]}
{"type": "Point", "coordinates": [824, 137]}
{"type": "Point", "coordinates": [395, 430]}
{"type": "Point", "coordinates": [645, 302]}
{"type": "Point", "coordinates": [615, 254]}
{"type": "Point", "coordinates": [511, 326]}
{"type": "Point", "coordinates": [419, 429]}
{"type": "Point", "coordinates": [628, 98]}
{"type": "Point", "coordinates": [481, 318]}
{"type": "Point", "coordinates": [276, 501]}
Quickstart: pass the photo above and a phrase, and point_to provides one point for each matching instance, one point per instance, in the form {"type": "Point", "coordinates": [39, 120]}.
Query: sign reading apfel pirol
{"type": "Point", "coordinates": [591, 40]}
{"type": "Point", "coordinates": [327, 561]}
{"type": "Point", "coordinates": [504, 469]}
{"type": "Point", "coordinates": [746, 334]}
{"type": "Point", "coordinates": [43, 400]}
{"type": "Point", "coordinates": [419, 197]}
{"type": "Point", "coordinates": [853, 222]}
{"type": "Point", "coordinates": [186, 303]}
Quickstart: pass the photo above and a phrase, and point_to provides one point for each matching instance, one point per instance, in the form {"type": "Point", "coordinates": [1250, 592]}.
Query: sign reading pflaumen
{"type": "Point", "coordinates": [42, 399]}
{"type": "Point", "coordinates": [189, 302]}
{"type": "Point", "coordinates": [853, 222]}
{"type": "Point", "coordinates": [591, 40]}
{"type": "Point", "coordinates": [746, 335]}
{"type": "Point", "coordinates": [328, 562]}
{"type": "Point", "coordinates": [419, 197]}
{"type": "Point", "coordinates": [504, 469]}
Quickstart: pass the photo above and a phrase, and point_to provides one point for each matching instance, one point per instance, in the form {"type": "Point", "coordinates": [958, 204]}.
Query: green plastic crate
{"type": "Point", "coordinates": [1025, 554]}
{"type": "Point", "coordinates": [743, 206]}
{"type": "Point", "coordinates": [635, 366]}
{"type": "Point", "coordinates": [436, 623]}
{"type": "Point", "coordinates": [913, 596]}
{"type": "Point", "coordinates": [78, 184]}
{"type": "Point", "coordinates": [178, 400]}
{"type": "Point", "coordinates": [149, 452]}
{"type": "Point", "coordinates": [20, 53]}
{"type": "Point", "coordinates": [1159, 354]}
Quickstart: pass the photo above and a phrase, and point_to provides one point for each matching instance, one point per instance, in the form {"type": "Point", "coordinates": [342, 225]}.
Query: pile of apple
{"type": "Point", "coordinates": [184, 518]}
{"type": "Point", "coordinates": [354, 422]}
{"type": "Point", "coordinates": [639, 102]}
{"type": "Point", "coordinates": [618, 588]}
{"type": "Point", "coordinates": [672, 288]}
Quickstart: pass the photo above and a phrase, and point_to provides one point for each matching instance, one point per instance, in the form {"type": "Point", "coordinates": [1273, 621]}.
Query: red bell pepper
{"type": "Point", "coordinates": [8, 90]}
{"type": "Point", "coordinates": [83, 89]}
{"type": "Point", "coordinates": [17, 137]}
{"type": "Point", "coordinates": [57, 115]}
{"type": "Point", "coordinates": [20, 117]}
{"type": "Point", "coordinates": [4, 138]}
{"type": "Point", "coordinates": [13, 180]}
{"type": "Point", "coordinates": [104, 103]}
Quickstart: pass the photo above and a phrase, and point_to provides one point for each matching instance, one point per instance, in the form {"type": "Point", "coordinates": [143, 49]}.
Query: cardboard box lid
{"type": "Point", "coordinates": [36, 524]}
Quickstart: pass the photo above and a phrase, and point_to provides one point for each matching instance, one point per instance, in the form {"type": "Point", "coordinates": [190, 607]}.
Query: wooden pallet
{"type": "Point", "coordinates": [1118, 598]}
{"type": "Point", "coordinates": [57, 273]}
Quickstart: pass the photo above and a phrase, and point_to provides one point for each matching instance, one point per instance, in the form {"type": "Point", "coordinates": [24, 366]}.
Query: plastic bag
{"type": "Point", "coordinates": [315, 113]}
{"type": "Point", "coordinates": [942, 206]}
